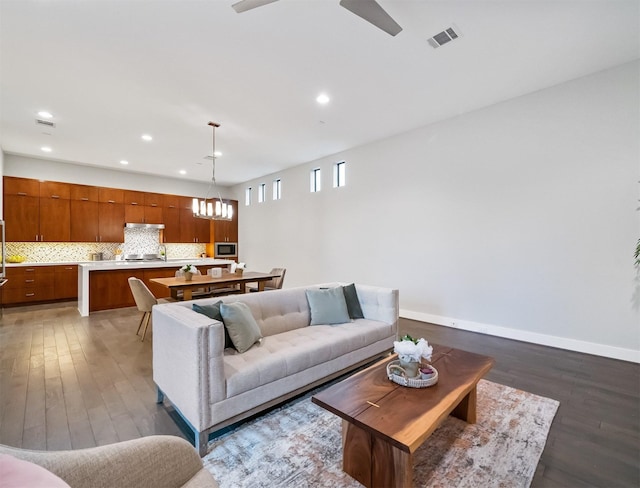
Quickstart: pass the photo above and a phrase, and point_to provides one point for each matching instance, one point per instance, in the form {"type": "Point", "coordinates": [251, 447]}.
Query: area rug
{"type": "Point", "coordinates": [299, 445]}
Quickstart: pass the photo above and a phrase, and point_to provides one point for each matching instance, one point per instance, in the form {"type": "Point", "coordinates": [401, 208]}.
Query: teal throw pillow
{"type": "Point", "coordinates": [213, 312]}
{"type": "Point", "coordinates": [353, 304]}
{"type": "Point", "coordinates": [243, 328]}
{"type": "Point", "coordinates": [327, 306]}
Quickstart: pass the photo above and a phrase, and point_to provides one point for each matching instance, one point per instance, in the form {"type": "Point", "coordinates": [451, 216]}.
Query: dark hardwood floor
{"type": "Point", "coordinates": [68, 382]}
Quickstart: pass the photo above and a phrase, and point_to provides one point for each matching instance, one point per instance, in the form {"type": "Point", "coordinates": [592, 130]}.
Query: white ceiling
{"type": "Point", "coordinates": [111, 70]}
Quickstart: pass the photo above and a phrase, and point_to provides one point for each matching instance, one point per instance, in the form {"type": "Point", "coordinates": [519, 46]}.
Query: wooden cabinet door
{"type": "Point", "coordinates": [111, 222]}
{"type": "Point", "coordinates": [110, 289]}
{"type": "Point", "coordinates": [171, 221]}
{"type": "Point", "coordinates": [227, 230]}
{"type": "Point", "coordinates": [83, 192]}
{"type": "Point", "coordinates": [153, 200]}
{"type": "Point", "coordinates": [54, 189]}
{"type": "Point", "coordinates": [55, 220]}
{"type": "Point", "coordinates": [232, 233]}
{"type": "Point", "coordinates": [133, 214]}
{"type": "Point", "coordinates": [22, 217]}
{"type": "Point", "coordinates": [66, 281]}
{"type": "Point", "coordinates": [153, 215]}
{"type": "Point", "coordinates": [84, 221]}
{"type": "Point", "coordinates": [110, 195]}
{"type": "Point", "coordinates": [24, 187]}
{"type": "Point", "coordinates": [202, 229]}
{"type": "Point", "coordinates": [187, 225]}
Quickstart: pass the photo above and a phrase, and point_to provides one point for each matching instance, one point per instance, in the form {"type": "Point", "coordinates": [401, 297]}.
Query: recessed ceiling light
{"type": "Point", "coordinates": [182, 172]}
{"type": "Point", "coordinates": [45, 115]}
{"type": "Point", "coordinates": [322, 99]}
{"type": "Point", "coordinates": [124, 162]}
{"type": "Point", "coordinates": [217, 154]}
{"type": "Point", "coordinates": [146, 137]}
{"type": "Point", "coordinates": [45, 149]}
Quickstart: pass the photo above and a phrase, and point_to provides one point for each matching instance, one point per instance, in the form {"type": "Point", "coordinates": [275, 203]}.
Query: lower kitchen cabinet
{"type": "Point", "coordinates": [110, 289]}
{"type": "Point", "coordinates": [65, 278]}
{"type": "Point", "coordinates": [28, 284]}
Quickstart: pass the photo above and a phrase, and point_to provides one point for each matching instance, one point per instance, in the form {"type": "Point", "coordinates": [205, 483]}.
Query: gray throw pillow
{"type": "Point", "coordinates": [243, 328]}
{"type": "Point", "coordinates": [213, 312]}
{"type": "Point", "coordinates": [327, 306]}
{"type": "Point", "coordinates": [353, 304]}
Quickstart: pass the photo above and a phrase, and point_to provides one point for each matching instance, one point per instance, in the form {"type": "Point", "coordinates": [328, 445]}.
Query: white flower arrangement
{"type": "Point", "coordinates": [411, 350]}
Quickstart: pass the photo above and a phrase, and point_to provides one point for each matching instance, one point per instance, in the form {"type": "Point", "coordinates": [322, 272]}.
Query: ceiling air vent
{"type": "Point", "coordinates": [443, 37]}
{"type": "Point", "coordinates": [45, 122]}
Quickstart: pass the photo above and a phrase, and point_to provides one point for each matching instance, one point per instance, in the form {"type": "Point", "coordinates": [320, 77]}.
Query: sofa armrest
{"type": "Point", "coordinates": [188, 366]}
{"type": "Point", "coordinates": [155, 461]}
{"type": "Point", "coordinates": [379, 303]}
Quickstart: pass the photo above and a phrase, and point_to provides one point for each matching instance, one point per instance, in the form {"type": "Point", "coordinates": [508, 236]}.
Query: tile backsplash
{"type": "Point", "coordinates": [136, 241]}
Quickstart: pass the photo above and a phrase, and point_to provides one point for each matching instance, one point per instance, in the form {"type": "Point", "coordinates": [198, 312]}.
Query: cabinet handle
{"type": "Point", "coordinates": [69, 268]}
{"type": "Point", "coordinates": [55, 196]}
{"type": "Point", "coordinates": [154, 204]}
{"type": "Point", "coordinates": [29, 281]}
{"type": "Point", "coordinates": [22, 194]}
{"type": "Point", "coordinates": [84, 199]}
{"type": "Point", "coordinates": [111, 201]}
{"type": "Point", "coordinates": [29, 294]}
{"type": "Point", "coordinates": [134, 203]}
{"type": "Point", "coordinates": [29, 270]}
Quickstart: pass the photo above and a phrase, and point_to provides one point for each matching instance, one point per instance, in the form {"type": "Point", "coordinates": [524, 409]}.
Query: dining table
{"type": "Point", "coordinates": [206, 281]}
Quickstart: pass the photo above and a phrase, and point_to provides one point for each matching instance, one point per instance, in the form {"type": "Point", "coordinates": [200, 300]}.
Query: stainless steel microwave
{"type": "Point", "coordinates": [226, 249]}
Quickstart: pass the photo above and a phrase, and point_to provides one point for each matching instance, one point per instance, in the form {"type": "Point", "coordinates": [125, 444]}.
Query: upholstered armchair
{"type": "Point", "coordinates": [150, 462]}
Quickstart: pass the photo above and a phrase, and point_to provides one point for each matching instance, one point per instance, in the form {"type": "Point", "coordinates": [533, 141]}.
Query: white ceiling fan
{"type": "Point", "coordinates": [369, 10]}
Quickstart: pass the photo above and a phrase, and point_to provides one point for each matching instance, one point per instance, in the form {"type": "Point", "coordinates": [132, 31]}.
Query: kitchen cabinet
{"type": "Point", "coordinates": [171, 220]}
{"type": "Point", "coordinates": [83, 204]}
{"type": "Point", "coordinates": [22, 217]}
{"type": "Point", "coordinates": [193, 229]}
{"type": "Point", "coordinates": [65, 278]}
{"type": "Point", "coordinates": [110, 222]}
{"type": "Point", "coordinates": [227, 230]}
{"type": "Point", "coordinates": [140, 207]}
{"type": "Point", "coordinates": [110, 289]}
{"type": "Point", "coordinates": [29, 284]}
{"type": "Point", "coordinates": [41, 215]}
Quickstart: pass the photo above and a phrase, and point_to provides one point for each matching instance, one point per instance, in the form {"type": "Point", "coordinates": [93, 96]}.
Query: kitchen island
{"type": "Point", "coordinates": [103, 285]}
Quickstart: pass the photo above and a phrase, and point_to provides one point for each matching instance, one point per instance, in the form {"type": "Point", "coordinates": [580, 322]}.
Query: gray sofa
{"type": "Point", "coordinates": [212, 387]}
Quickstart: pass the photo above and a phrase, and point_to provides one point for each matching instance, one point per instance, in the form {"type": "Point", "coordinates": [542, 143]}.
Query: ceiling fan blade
{"type": "Point", "coordinates": [373, 13]}
{"type": "Point", "coordinates": [244, 5]}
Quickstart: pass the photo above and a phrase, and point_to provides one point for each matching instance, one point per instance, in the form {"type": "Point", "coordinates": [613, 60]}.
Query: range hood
{"type": "Point", "coordinates": [143, 226]}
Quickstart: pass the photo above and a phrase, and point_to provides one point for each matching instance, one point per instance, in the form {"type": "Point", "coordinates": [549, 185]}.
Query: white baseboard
{"type": "Point", "coordinates": [526, 336]}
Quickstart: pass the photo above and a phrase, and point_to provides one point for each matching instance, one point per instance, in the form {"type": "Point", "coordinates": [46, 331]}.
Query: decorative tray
{"type": "Point", "coordinates": [396, 374]}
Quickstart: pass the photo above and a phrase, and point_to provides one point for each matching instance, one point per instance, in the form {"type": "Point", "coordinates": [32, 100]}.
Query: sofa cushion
{"type": "Point", "coordinates": [290, 352]}
{"type": "Point", "coordinates": [242, 327]}
{"type": "Point", "coordinates": [213, 312]}
{"type": "Point", "coordinates": [17, 473]}
{"type": "Point", "coordinates": [327, 306]}
{"type": "Point", "coordinates": [353, 304]}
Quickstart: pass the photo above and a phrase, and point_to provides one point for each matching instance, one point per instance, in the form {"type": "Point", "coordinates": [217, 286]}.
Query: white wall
{"type": "Point", "coordinates": [1, 186]}
{"type": "Point", "coordinates": [44, 169]}
{"type": "Point", "coordinates": [517, 220]}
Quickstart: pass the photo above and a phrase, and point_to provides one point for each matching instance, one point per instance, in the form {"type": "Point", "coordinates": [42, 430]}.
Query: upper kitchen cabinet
{"type": "Point", "coordinates": [110, 215]}
{"type": "Point", "coordinates": [36, 211]}
{"type": "Point", "coordinates": [84, 213]}
{"type": "Point", "coordinates": [140, 207]}
{"type": "Point", "coordinates": [192, 229]}
{"type": "Point", "coordinates": [171, 217]}
{"type": "Point", "coordinates": [227, 230]}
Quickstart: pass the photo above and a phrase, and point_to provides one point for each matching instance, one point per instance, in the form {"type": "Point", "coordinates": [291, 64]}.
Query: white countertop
{"type": "Point", "coordinates": [171, 263]}
{"type": "Point", "coordinates": [112, 264]}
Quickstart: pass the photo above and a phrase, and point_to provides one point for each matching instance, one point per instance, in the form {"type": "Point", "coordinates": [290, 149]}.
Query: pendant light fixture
{"type": "Point", "coordinates": [212, 208]}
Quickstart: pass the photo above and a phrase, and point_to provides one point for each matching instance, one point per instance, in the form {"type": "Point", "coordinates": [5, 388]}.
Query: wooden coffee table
{"type": "Point", "coordinates": [384, 423]}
